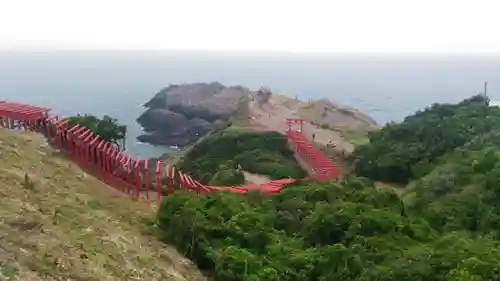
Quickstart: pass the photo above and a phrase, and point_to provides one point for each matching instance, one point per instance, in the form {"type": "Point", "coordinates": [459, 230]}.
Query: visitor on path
{"type": "Point", "coordinates": [313, 136]}
{"type": "Point", "coordinates": [330, 144]}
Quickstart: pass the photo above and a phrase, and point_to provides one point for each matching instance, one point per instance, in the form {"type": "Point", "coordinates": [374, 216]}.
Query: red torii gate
{"type": "Point", "coordinates": [290, 122]}
{"type": "Point", "coordinates": [10, 112]}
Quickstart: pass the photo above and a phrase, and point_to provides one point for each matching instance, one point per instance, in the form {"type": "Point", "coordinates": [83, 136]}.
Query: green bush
{"type": "Point", "coordinates": [408, 150]}
{"type": "Point", "coordinates": [227, 177]}
{"type": "Point", "coordinates": [264, 153]}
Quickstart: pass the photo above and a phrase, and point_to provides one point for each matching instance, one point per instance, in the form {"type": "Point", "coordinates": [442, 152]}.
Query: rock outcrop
{"type": "Point", "coordinates": [325, 112]}
{"type": "Point", "coordinates": [180, 114]}
{"type": "Point", "coordinates": [328, 122]}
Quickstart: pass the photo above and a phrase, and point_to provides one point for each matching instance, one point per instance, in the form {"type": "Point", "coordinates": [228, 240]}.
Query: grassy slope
{"type": "Point", "coordinates": [355, 136]}
{"type": "Point", "coordinates": [66, 225]}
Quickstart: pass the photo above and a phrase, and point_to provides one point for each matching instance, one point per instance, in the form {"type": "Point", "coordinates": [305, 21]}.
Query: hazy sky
{"type": "Point", "coordinates": [273, 25]}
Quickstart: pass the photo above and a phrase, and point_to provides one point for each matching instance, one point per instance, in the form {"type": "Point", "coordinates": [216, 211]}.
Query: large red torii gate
{"type": "Point", "coordinates": [291, 122]}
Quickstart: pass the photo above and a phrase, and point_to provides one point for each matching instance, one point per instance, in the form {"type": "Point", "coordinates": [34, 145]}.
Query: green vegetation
{"type": "Point", "coordinates": [345, 230]}
{"type": "Point", "coordinates": [463, 193]}
{"type": "Point", "coordinates": [444, 226]}
{"type": "Point", "coordinates": [356, 137]}
{"type": "Point", "coordinates": [409, 150]}
{"type": "Point", "coordinates": [107, 127]}
{"type": "Point", "coordinates": [215, 159]}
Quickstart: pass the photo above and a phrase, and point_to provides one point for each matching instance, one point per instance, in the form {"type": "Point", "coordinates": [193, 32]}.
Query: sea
{"type": "Point", "coordinates": [118, 83]}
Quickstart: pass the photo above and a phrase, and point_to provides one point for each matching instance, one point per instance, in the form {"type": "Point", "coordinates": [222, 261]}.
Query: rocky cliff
{"type": "Point", "coordinates": [180, 114]}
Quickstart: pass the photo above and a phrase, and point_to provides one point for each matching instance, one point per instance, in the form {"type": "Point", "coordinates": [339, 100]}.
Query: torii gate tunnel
{"type": "Point", "coordinates": [143, 177]}
{"type": "Point", "coordinates": [20, 116]}
{"type": "Point", "coordinates": [322, 168]}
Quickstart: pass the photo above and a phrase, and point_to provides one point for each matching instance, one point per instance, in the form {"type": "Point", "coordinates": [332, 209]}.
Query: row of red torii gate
{"type": "Point", "coordinates": [141, 177]}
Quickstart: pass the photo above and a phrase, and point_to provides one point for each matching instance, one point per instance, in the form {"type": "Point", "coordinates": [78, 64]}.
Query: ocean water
{"type": "Point", "coordinates": [117, 83]}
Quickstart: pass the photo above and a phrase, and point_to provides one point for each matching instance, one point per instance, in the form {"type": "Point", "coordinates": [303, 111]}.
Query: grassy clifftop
{"type": "Point", "coordinates": [58, 223]}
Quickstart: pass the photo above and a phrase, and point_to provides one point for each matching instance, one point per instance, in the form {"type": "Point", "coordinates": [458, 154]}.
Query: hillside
{"type": "Point", "coordinates": [410, 149]}
{"type": "Point", "coordinates": [444, 226]}
{"type": "Point", "coordinates": [58, 223]}
{"type": "Point", "coordinates": [346, 230]}
{"type": "Point", "coordinates": [462, 192]}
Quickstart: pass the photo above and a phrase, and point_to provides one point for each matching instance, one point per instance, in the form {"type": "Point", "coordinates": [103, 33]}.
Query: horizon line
{"type": "Point", "coordinates": [239, 51]}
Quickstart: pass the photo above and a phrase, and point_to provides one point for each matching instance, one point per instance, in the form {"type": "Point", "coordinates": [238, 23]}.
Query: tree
{"type": "Point", "coordinates": [107, 127]}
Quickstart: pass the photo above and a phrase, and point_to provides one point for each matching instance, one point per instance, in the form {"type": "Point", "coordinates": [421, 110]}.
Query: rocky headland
{"type": "Point", "coordinates": [180, 114]}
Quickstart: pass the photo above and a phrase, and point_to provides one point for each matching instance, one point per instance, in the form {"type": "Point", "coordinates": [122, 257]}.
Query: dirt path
{"type": "Point", "coordinates": [271, 115]}
{"type": "Point", "coordinates": [255, 178]}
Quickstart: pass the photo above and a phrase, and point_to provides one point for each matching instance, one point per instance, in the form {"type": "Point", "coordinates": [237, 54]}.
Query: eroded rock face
{"type": "Point", "coordinates": [180, 114]}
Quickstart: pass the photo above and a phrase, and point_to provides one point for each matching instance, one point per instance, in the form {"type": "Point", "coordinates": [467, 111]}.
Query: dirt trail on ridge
{"type": "Point", "coordinates": [271, 114]}
{"type": "Point", "coordinates": [255, 178]}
